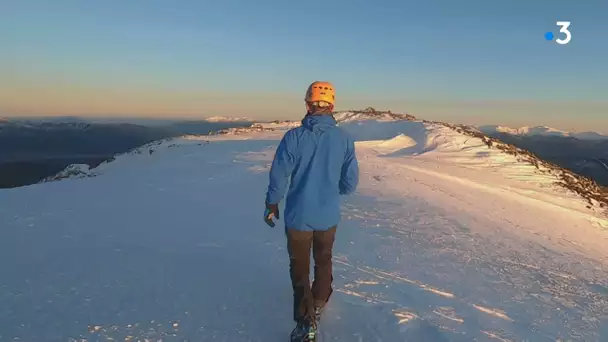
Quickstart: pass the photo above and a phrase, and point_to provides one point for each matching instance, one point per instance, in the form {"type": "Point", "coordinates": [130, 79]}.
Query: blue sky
{"type": "Point", "coordinates": [464, 61]}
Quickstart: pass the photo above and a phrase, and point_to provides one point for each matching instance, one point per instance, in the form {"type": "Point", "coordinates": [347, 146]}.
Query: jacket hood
{"type": "Point", "coordinates": [318, 123]}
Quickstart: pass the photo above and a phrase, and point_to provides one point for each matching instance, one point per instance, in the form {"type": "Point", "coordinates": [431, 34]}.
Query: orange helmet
{"type": "Point", "coordinates": [321, 91]}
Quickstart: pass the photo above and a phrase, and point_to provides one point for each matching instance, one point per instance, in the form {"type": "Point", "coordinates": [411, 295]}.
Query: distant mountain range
{"type": "Point", "coordinates": [541, 131]}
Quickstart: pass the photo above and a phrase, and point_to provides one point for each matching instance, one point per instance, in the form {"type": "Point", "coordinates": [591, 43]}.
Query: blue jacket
{"type": "Point", "coordinates": [320, 159]}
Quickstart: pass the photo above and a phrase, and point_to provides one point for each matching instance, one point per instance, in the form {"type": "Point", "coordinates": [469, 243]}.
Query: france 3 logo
{"type": "Point", "coordinates": [567, 36]}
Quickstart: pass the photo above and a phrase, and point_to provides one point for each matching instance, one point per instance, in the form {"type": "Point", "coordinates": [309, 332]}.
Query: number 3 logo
{"type": "Point", "coordinates": [564, 29]}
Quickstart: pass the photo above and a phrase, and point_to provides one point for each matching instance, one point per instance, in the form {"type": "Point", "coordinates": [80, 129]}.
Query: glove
{"type": "Point", "coordinates": [272, 210]}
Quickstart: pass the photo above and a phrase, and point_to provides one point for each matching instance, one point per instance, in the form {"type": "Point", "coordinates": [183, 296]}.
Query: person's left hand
{"type": "Point", "coordinates": [272, 210]}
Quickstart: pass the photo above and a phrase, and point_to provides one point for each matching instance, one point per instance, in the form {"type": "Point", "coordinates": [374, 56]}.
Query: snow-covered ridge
{"type": "Point", "coordinates": [444, 137]}
{"type": "Point", "coordinates": [466, 143]}
{"type": "Point", "coordinates": [228, 119]}
{"type": "Point", "coordinates": [541, 131]}
{"type": "Point", "coordinates": [398, 135]}
{"type": "Point", "coordinates": [538, 130]}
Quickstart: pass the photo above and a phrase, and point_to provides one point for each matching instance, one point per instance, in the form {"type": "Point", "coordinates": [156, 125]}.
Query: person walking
{"type": "Point", "coordinates": [320, 161]}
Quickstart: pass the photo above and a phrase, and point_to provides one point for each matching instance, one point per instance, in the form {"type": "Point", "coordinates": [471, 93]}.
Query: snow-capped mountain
{"type": "Point", "coordinates": [452, 236]}
{"type": "Point", "coordinates": [228, 119]}
{"type": "Point", "coordinates": [541, 131]}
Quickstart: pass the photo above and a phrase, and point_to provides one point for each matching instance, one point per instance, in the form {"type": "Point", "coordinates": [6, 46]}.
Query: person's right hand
{"type": "Point", "coordinates": [272, 211]}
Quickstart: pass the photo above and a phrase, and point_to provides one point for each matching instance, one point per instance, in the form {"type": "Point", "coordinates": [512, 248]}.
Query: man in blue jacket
{"type": "Point", "coordinates": [319, 159]}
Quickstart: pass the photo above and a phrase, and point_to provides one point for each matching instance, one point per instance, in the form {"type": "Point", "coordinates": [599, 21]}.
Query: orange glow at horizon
{"type": "Point", "coordinates": [67, 100]}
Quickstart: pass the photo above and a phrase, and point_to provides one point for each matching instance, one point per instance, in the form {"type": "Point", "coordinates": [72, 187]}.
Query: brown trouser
{"type": "Point", "coordinates": [306, 298]}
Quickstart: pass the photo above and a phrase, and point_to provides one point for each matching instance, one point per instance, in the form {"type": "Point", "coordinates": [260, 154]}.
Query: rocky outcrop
{"type": "Point", "coordinates": [372, 114]}
{"type": "Point", "coordinates": [74, 171]}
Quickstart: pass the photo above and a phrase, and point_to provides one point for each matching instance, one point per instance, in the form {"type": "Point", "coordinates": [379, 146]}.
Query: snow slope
{"type": "Point", "coordinates": [445, 240]}
{"type": "Point", "coordinates": [542, 131]}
